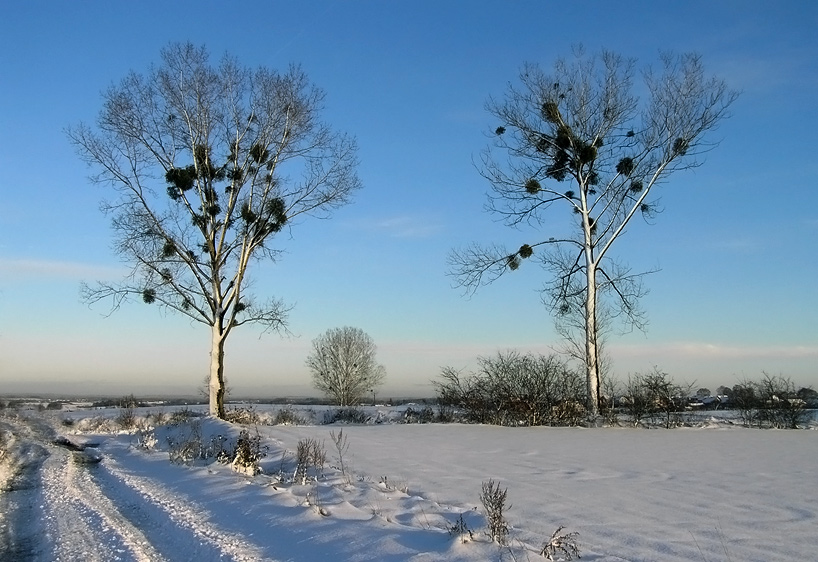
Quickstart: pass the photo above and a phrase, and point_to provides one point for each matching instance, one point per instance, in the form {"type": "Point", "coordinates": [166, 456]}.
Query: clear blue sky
{"type": "Point", "coordinates": [736, 244]}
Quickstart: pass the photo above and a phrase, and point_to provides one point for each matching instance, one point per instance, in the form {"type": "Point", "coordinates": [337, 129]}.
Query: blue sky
{"type": "Point", "coordinates": [736, 294]}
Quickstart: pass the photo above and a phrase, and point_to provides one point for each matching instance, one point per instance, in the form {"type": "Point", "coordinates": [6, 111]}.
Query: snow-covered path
{"type": "Point", "coordinates": [55, 509]}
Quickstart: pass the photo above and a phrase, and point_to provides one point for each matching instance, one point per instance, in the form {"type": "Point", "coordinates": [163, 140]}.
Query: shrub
{"type": "Point", "coordinates": [656, 396]}
{"type": "Point", "coordinates": [667, 398]}
{"type": "Point", "coordinates": [745, 402]}
{"type": "Point", "coordinates": [425, 415]}
{"type": "Point", "coordinates": [242, 416]}
{"type": "Point", "coordinates": [446, 414]}
{"type": "Point", "coordinates": [310, 453]}
{"type": "Point", "coordinates": [460, 529]}
{"type": "Point", "coordinates": [146, 439]}
{"type": "Point", "coordinates": [515, 389]}
{"type": "Point", "coordinates": [183, 415]}
{"type": "Point", "coordinates": [771, 402]}
{"type": "Point", "coordinates": [341, 446]}
{"type": "Point", "coordinates": [778, 403]}
{"type": "Point", "coordinates": [288, 416]}
{"type": "Point", "coordinates": [345, 415]}
{"type": "Point", "coordinates": [185, 446]}
{"type": "Point", "coordinates": [558, 543]}
{"type": "Point", "coordinates": [127, 417]}
{"type": "Point", "coordinates": [248, 452]}
{"type": "Point", "coordinates": [494, 502]}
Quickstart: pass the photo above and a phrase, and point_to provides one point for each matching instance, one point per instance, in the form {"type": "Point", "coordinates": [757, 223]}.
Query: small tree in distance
{"type": "Point", "coordinates": [579, 140]}
{"type": "Point", "coordinates": [343, 365]}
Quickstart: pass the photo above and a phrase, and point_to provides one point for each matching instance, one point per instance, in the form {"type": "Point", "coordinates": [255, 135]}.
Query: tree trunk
{"type": "Point", "coordinates": [591, 355]}
{"type": "Point", "coordinates": [216, 386]}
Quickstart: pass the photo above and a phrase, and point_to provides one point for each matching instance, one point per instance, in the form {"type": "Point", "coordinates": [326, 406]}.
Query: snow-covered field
{"type": "Point", "coordinates": [714, 492]}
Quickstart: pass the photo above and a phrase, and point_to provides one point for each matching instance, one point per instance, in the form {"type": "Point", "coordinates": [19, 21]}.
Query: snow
{"type": "Point", "coordinates": [714, 492]}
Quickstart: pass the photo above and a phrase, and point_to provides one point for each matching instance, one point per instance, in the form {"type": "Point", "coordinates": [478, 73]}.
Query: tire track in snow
{"type": "Point", "coordinates": [88, 497]}
{"type": "Point", "coordinates": [20, 495]}
{"type": "Point", "coordinates": [43, 520]}
{"type": "Point", "coordinates": [150, 501]}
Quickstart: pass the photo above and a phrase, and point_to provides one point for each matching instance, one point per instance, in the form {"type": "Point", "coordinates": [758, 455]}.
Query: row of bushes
{"type": "Point", "coordinates": [527, 390]}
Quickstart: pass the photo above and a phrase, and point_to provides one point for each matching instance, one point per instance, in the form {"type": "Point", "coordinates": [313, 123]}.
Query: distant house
{"type": "Point", "coordinates": [707, 402]}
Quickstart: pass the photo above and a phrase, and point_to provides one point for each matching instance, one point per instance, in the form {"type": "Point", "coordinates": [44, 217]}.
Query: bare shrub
{"type": "Point", "coordinates": [667, 398]}
{"type": "Point", "coordinates": [568, 412]}
{"type": "Point", "coordinates": [146, 439]}
{"type": "Point", "coordinates": [288, 416]}
{"type": "Point", "coordinates": [607, 404]}
{"type": "Point", "coordinates": [771, 402]}
{"type": "Point", "coordinates": [217, 448]}
{"type": "Point", "coordinates": [183, 415]}
{"type": "Point", "coordinates": [127, 417]}
{"type": "Point", "coordinates": [656, 396]}
{"type": "Point", "coordinates": [745, 401]}
{"type": "Point", "coordinates": [515, 389]}
{"type": "Point", "coordinates": [341, 446]}
{"type": "Point", "coordinates": [424, 415]}
{"type": "Point", "coordinates": [186, 447]}
{"type": "Point", "coordinates": [248, 452]}
{"type": "Point", "coordinates": [310, 453]}
{"type": "Point", "coordinates": [779, 404]}
{"type": "Point", "coordinates": [636, 401]}
{"type": "Point", "coordinates": [242, 416]}
{"type": "Point", "coordinates": [460, 529]}
{"type": "Point", "coordinates": [187, 444]}
{"type": "Point", "coordinates": [345, 415]}
{"type": "Point", "coordinates": [494, 502]}
{"type": "Point", "coordinates": [566, 544]}
{"type": "Point", "coordinates": [446, 414]}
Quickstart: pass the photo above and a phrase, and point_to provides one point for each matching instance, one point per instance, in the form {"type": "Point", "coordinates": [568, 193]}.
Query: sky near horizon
{"type": "Point", "coordinates": [735, 294]}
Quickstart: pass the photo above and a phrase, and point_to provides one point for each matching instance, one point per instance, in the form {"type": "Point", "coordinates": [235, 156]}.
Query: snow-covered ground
{"type": "Point", "coordinates": [714, 492]}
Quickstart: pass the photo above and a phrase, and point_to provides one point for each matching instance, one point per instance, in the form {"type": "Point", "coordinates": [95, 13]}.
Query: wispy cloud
{"type": "Point", "coordinates": [17, 269]}
{"type": "Point", "coordinates": [704, 350]}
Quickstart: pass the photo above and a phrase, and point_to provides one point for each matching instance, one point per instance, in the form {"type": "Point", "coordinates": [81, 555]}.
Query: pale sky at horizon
{"type": "Point", "coordinates": [735, 294]}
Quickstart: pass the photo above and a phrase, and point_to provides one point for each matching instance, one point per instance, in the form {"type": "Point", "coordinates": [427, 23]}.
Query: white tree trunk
{"type": "Point", "coordinates": [217, 386]}
{"type": "Point", "coordinates": [591, 355]}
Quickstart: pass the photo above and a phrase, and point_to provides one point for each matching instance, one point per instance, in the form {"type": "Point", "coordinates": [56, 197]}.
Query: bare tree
{"type": "Point", "coordinates": [343, 365]}
{"type": "Point", "coordinates": [208, 163]}
{"type": "Point", "coordinates": [583, 126]}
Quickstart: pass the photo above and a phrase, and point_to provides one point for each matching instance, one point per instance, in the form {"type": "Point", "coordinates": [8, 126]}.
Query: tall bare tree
{"type": "Point", "coordinates": [579, 140]}
{"type": "Point", "coordinates": [343, 365]}
{"type": "Point", "coordinates": [208, 163]}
